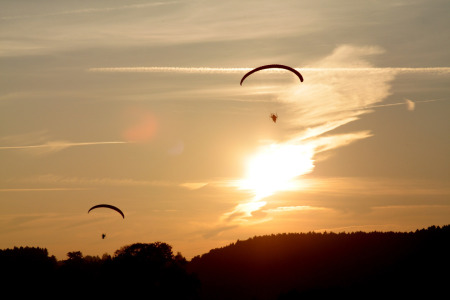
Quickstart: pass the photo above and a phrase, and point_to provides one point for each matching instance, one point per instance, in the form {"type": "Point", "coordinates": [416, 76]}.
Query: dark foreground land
{"type": "Point", "coordinates": [284, 266]}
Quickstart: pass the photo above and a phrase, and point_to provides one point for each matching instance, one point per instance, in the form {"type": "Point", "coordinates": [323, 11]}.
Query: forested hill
{"type": "Point", "coordinates": [356, 265]}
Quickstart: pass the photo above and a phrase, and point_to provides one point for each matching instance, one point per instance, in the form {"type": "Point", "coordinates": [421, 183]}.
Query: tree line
{"type": "Point", "coordinates": [356, 265]}
{"type": "Point", "coordinates": [279, 266]}
{"type": "Point", "coordinates": [145, 270]}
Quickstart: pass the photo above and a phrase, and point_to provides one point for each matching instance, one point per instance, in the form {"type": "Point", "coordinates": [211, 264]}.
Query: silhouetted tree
{"type": "Point", "coordinates": [26, 270]}
{"type": "Point", "coordinates": [75, 256]}
{"type": "Point", "coordinates": [150, 268]}
{"type": "Point", "coordinates": [287, 266]}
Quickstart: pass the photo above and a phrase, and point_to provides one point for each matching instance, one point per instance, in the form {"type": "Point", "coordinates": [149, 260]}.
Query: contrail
{"type": "Point", "coordinates": [43, 189]}
{"type": "Point", "coordinates": [169, 70]}
{"type": "Point", "coordinates": [62, 145]}
{"type": "Point", "coordinates": [402, 103]}
{"type": "Point", "coordinates": [440, 70]}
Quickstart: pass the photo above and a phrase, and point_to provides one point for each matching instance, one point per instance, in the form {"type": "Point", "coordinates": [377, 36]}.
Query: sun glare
{"type": "Point", "coordinates": [275, 167]}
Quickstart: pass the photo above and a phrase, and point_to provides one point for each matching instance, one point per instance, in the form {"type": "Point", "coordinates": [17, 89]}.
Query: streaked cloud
{"type": "Point", "coordinates": [41, 189]}
{"type": "Point", "coordinates": [158, 23]}
{"type": "Point", "coordinates": [375, 186]}
{"type": "Point", "coordinates": [194, 185]}
{"type": "Point", "coordinates": [52, 179]}
{"type": "Point", "coordinates": [410, 105]}
{"type": "Point", "coordinates": [67, 183]}
{"type": "Point", "coordinates": [325, 101]}
{"type": "Point", "coordinates": [338, 89]}
{"type": "Point", "coordinates": [192, 70]}
{"type": "Point", "coordinates": [217, 70]}
{"type": "Point", "coordinates": [56, 146]}
{"type": "Point", "coordinates": [284, 209]}
{"type": "Point", "coordinates": [422, 206]}
{"type": "Point", "coordinates": [89, 10]}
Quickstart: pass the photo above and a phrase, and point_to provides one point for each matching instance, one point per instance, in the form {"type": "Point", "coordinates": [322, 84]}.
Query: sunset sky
{"type": "Point", "coordinates": [137, 104]}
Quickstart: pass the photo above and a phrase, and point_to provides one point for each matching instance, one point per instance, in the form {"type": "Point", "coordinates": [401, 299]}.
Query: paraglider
{"type": "Point", "coordinates": [108, 206]}
{"type": "Point", "coordinates": [273, 66]}
{"type": "Point", "coordinates": [274, 117]}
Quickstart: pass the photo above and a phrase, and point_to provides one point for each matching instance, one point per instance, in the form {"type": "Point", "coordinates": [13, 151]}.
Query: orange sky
{"type": "Point", "coordinates": [138, 104]}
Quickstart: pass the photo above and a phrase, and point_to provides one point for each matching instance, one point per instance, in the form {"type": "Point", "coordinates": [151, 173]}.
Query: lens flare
{"type": "Point", "coordinates": [143, 126]}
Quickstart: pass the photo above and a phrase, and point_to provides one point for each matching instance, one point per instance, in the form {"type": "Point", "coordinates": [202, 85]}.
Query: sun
{"type": "Point", "coordinates": [275, 167]}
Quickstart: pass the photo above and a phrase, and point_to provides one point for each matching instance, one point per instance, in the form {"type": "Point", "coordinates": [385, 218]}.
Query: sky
{"type": "Point", "coordinates": [138, 104]}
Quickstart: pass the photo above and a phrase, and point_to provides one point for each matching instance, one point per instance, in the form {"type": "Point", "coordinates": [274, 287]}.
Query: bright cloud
{"type": "Point", "coordinates": [324, 102]}
{"type": "Point", "coordinates": [410, 104]}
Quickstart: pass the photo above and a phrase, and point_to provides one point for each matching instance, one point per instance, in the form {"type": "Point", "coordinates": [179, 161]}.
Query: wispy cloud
{"type": "Point", "coordinates": [218, 70]}
{"type": "Point", "coordinates": [144, 24]}
{"type": "Point", "coordinates": [191, 70]}
{"type": "Point", "coordinates": [41, 189]}
{"type": "Point", "coordinates": [87, 183]}
{"type": "Point", "coordinates": [41, 143]}
{"type": "Point", "coordinates": [55, 146]}
{"type": "Point", "coordinates": [91, 10]}
{"type": "Point", "coordinates": [376, 186]}
{"type": "Point", "coordinates": [83, 181]}
{"type": "Point", "coordinates": [284, 209]}
{"type": "Point", "coordinates": [44, 222]}
{"type": "Point", "coordinates": [194, 185]}
{"type": "Point", "coordinates": [337, 90]}
{"type": "Point", "coordinates": [393, 193]}
{"type": "Point", "coordinates": [410, 105]}
{"type": "Point", "coordinates": [61, 145]}
{"type": "Point", "coordinates": [327, 99]}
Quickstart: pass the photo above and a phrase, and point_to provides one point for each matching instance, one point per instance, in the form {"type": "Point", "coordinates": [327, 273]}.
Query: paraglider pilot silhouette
{"type": "Point", "coordinates": [273, 116]}
{"type": "Point", "coordinates": [103, 236]}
